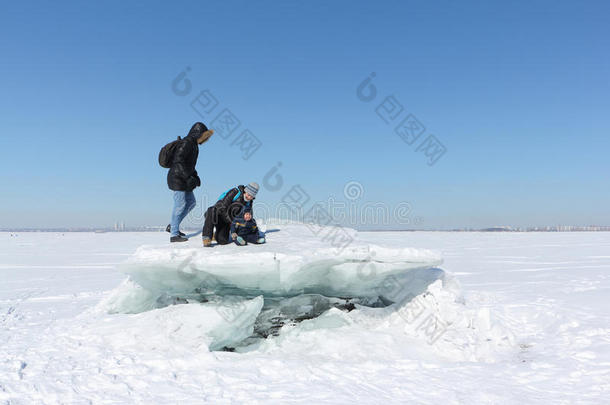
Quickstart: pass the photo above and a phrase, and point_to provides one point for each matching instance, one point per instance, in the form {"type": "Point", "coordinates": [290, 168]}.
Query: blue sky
{"type": "Point", "coordinates": [516, 93]}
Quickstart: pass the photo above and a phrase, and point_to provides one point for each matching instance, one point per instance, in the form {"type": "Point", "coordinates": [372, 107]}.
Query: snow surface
{"type": "Point", "coordinates": [510, 318]}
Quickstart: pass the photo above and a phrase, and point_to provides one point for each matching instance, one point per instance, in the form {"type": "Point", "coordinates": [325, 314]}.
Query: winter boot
{"type": "Point", "coordinates": [178, 239]}
{"type": "Point", "coordinates": [240, 241]}
{"type": "Point", "coordinates": [169, 229]}
{"type": "Point", "coordinates": [260, 241]}
{"type": "Point", "coordinates": [207, 242]}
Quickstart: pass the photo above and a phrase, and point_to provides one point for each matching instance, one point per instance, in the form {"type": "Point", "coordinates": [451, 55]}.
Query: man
{"type": "Point", "coordinates": [182, 177]}
{"type": "Point", "coordinates": [221, 214]}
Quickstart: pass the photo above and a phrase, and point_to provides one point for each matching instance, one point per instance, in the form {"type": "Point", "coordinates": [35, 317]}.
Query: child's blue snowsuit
{"type": "Point", "coordinates": [246, 229]}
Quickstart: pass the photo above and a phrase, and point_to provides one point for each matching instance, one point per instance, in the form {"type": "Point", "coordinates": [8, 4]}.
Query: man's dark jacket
{"type": "Point", "coordinates": [229, 207]}
{"type": "Point", "coordinates": [182, 175]}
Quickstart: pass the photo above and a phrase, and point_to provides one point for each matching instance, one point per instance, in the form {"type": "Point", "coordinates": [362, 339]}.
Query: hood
{"type": "Point", "coordinates": [197, 129]}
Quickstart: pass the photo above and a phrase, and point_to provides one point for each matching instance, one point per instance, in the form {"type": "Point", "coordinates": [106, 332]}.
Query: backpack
{"type": "Point", "coordinates": [166, 154]}
{"type": "Point", "coordinates": [226, 192]}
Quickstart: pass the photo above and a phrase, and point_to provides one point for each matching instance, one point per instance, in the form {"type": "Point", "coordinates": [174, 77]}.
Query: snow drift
{"type": "Point", "coordinates": [191, 327]}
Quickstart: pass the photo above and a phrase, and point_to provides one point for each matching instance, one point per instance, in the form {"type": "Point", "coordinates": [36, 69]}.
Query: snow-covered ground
{"type": "Point", "coordinates": [511, 318]}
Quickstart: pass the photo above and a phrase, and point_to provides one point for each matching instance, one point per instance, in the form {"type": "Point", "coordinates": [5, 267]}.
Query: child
{"type": "Point", "coordinates": [244, 229]}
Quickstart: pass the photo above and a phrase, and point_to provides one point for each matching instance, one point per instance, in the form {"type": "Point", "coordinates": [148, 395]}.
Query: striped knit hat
{"type": "Point", "coordinates": [252, 189]}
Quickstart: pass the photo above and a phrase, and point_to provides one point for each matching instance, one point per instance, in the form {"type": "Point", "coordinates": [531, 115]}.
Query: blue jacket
{"type": "Point", "coordinates": [242, 227]}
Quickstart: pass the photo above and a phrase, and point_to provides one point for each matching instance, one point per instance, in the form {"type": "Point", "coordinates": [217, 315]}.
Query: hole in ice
{"type": "Point", "coordinates": [277, 310]}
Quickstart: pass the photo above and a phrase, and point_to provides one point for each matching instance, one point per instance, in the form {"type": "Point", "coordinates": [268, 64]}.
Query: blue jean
{"type": "Point", "coordinates": [184, 202]}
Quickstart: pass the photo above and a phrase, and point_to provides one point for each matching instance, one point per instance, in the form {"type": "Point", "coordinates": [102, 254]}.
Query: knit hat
{"type": "Point", "coordinates": [252, 189]}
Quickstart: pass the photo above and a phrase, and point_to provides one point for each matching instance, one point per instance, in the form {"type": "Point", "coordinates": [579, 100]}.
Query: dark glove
{"type": "Point", "coordinates": [192, 182]}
